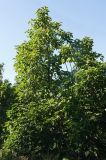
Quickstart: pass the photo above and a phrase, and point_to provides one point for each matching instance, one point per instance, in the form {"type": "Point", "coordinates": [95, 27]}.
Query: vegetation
{"type": "Point", "coordinates": [57, 109]}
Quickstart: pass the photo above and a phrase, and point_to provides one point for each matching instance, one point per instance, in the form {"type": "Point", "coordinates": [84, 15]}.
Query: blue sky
{"type": "Point", "coordinates": [81, 17]}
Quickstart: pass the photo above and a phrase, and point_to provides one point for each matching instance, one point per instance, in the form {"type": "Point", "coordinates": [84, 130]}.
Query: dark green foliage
{"type": "Point", "coordinates": [61, 89]}
{"type": "Point", "coordinates": [7, 97]}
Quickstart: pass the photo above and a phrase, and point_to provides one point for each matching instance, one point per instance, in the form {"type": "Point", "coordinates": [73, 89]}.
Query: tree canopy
{"type": "Point", "coordinates": [58, 108]}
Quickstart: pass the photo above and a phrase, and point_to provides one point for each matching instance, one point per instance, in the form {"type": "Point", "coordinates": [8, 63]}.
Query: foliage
{"type": "Point", "coordinates": [7, 97]}
{"type": "Point", "coordinates": [61, 90]}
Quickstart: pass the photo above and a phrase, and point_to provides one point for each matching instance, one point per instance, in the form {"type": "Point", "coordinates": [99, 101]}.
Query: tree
{"type": "Point", "coordinates": [60, 96]}
{"type": "Point", "coordinates": [89, 115]}
{"type": "Point", "coordinates": [39, 74]}
{"type": "Point", "coordinates": [7, 97]}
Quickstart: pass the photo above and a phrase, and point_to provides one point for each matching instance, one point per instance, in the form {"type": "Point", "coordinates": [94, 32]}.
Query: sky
{"type": "Point", "coordinates": [81, 17]}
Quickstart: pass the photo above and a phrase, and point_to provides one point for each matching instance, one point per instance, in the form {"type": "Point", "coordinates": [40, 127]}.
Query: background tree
{"type": "Point", "coordinates": [7, 97]}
